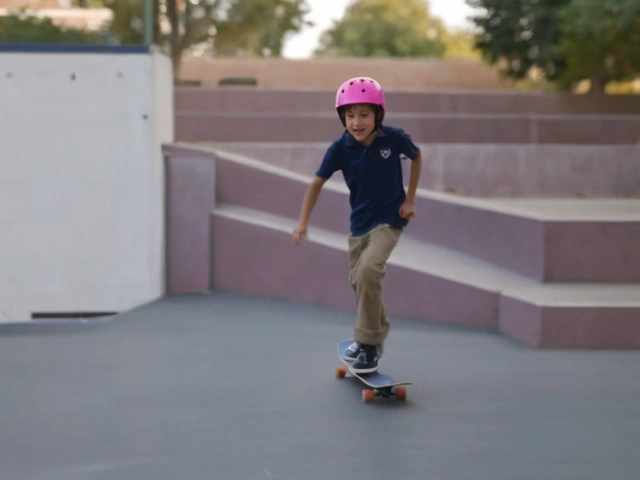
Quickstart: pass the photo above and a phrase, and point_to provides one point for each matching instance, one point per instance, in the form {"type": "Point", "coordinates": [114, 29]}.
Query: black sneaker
{"type": "Point", "coordinates": [367, 361]}
{"type": "Point", "coordinates": [352, 352]}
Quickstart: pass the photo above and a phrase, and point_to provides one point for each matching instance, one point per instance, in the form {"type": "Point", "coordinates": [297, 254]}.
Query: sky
{"type": "Point", "coordinates": [323, 12]}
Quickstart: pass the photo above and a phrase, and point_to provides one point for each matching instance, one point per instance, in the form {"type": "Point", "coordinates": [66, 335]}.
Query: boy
{"type": "Point", "coordinates": [368, 154]}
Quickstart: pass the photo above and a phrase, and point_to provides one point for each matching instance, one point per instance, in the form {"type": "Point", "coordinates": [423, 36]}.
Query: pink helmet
{"type": "Point", "coordinates": [360, 90]}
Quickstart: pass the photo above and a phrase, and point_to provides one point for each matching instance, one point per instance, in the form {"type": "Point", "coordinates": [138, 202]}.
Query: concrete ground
{"type": "Point", "coordinates": [222, 386]}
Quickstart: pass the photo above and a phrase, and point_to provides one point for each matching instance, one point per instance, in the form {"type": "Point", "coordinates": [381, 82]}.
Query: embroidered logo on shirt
{"type": "Point", "coordinates": [386, 153]}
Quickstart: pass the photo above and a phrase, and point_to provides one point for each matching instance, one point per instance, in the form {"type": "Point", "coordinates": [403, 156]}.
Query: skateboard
{"type": "Point", "coordinates": [380, 385]}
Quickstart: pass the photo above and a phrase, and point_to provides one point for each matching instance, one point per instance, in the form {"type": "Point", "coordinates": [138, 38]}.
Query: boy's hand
{"type": "Point", "coordinates": [299, 233]}
{"type": "Point", "coordinates": [407, 210]}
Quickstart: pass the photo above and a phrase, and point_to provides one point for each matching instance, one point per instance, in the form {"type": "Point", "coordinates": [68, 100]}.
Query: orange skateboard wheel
{"type": "Point", "coordinates": [368, 395]}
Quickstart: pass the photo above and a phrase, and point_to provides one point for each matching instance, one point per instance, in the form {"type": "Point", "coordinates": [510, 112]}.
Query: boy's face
{"type": "Point", "coordinates": [360, 120]}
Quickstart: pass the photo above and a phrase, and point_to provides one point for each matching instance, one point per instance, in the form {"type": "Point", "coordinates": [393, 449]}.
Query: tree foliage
{"type": "Point", "coordinates": [460, 44]}
{"type": "Point", "coordinates": [259, 27]}
{"type": "Point", "coordinates": [20, 27]}
{"type": "Point", "coordinates": [127, 24]}
{"type": "Point", "coordinates": [385, 28]}
{"type": "Point", "coordinates": [566, 40]}
{"type": "Point", "coordinates": [600, 41]}
{"type": "Point", "coordinates": [221, 27]}
{"type": "Point", "coordinates": [520, 35]}
{"type": "Point", "coordinates": [233, 27]}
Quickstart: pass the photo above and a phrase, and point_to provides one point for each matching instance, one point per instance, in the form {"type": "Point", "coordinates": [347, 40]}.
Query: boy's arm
{"type": "Point", "coordinates": [308, 203]}
{"type": "Point", "coordinates": [414, 177]}
{"type": "Point", "coordinates": [408, 210]}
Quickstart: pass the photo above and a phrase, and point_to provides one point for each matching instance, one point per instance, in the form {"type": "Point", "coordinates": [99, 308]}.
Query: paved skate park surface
{"type": "Point", "coordinates": [227, 386]}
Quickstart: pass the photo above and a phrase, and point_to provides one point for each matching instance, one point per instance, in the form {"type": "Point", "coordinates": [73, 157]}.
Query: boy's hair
{"type": "Point", "coordinates": [377, 110]}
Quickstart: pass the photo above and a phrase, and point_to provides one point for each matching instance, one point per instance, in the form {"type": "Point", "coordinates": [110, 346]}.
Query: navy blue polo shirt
{"type": "Point", "coordinates": [373, 175]}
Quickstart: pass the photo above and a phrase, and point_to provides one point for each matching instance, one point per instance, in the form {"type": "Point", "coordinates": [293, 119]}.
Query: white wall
{"type": "Point", "coordinates": [81, 181]}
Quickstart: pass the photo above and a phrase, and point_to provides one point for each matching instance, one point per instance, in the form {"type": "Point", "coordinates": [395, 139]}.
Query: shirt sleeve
{"type": "Point", "coordinates": [407, 147]}
{"type": "Point", "coordinates": [330, 163]}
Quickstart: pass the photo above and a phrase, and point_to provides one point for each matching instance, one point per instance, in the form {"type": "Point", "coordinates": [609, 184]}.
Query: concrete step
{"type": "Point", "coordinates": [249, 250]}
{"type": "Point", "coordinates": [424, 127]}
{"type": "Point", "coordinates": [550, 240]}
{"type": "Point", "coordinates": [567, 316]}
{"type": "Point", "coordinates": [252, 253]}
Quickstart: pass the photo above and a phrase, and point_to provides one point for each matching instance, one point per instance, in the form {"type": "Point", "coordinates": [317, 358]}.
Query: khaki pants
{"type": "Point", "coordinates": [368, 256]}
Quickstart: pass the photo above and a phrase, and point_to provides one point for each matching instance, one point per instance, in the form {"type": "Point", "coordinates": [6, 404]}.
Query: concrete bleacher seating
{"type": "Point", "coordinates": [442, 128]}
{"type": "Point", "coordinates": [489, 170]}
{"type": "Point", "coordinates": [549, 272]}
{"type": "Point", "coordinates": [311, 102]}
{"type": "Point", "coordinates": [240, 115]}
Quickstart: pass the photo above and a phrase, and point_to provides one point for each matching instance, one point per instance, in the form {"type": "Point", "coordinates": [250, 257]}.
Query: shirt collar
{"type": "Point", "coordinates": [352, 142]}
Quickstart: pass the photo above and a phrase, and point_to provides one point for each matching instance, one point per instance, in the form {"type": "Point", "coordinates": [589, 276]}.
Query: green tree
{"type": "Point", "coordinates": [566, 40]}
{"type": "Point", "coordinates": [259, 27]}
{"type": "Point", "coordinates": [385, 28]}
{"type": "Point", "coordinates": [127, 24]}
{"type": "Point", "coordinates": [601, 42]}
{"type": "Point", "coordinates": [254, 27]}
{"type": "Point", "coordinates": [519, 35]}
{"type": "Point", "coordinates": [221, 27]}
{"type": "Point", "coordinates": [20, 27]}
{"type": "Point", "coordinates": [460, 44]}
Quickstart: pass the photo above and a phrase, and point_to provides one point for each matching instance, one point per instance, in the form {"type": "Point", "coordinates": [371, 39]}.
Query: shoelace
{"type": "Point", "coordinates": [354, 347]}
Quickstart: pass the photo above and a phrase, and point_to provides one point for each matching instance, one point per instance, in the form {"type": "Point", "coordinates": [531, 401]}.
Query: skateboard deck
{"type": "Point", "coordinates": [380, 384]}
